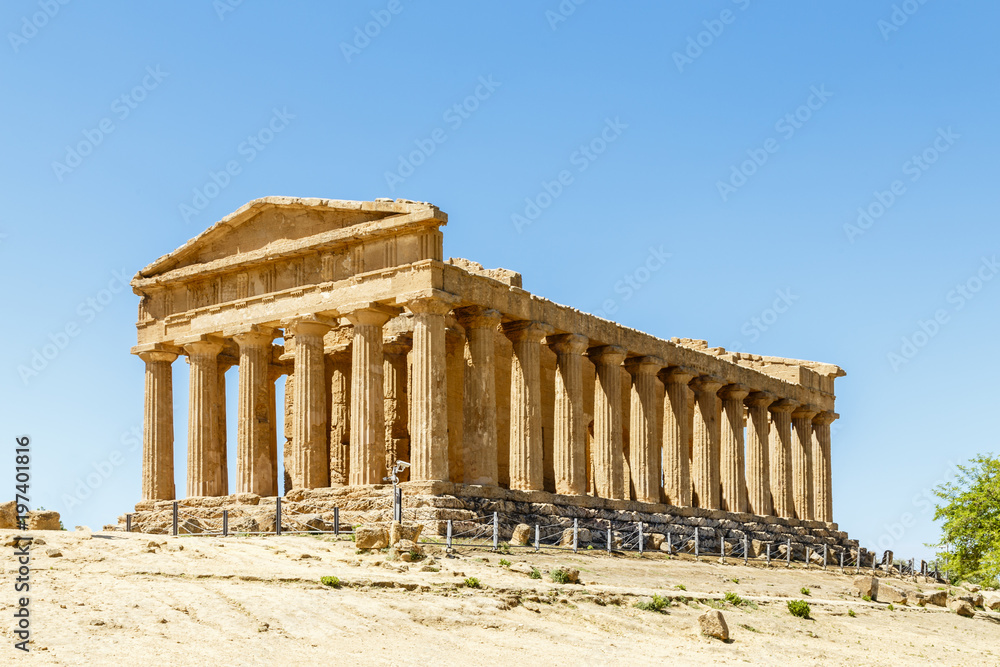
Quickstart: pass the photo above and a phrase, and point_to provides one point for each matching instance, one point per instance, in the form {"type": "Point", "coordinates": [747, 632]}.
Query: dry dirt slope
{"type": "Point", "coordinates": [112, 599]}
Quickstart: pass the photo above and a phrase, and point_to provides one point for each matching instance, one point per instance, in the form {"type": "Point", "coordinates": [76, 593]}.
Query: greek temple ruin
{"type": "Point", "coordinates": [390, 352]}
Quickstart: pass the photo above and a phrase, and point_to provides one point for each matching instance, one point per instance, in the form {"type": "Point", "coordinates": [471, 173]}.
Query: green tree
{"type": "Point", "coordinates": [971, 528]}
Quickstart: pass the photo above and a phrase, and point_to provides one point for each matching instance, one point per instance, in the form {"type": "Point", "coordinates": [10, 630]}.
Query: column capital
{"type": "Point", "coordinates": [735, 392]}
{"type": "Point", "coordinates": [824, 418]}
{"type": "Point", "coordinates": [142, 351]}
{"type": "Point", "coordinates": [152, 356]}
{"type": "Point", "coordinates": [805, 412]}
{"type": "Point", "coordinates": [431, 302]}
{"type": "Point", "coordinates": [568, 343]}
{"type": "Point", "coordinates": [202, 346]}
{"type": "Point", "coordinates": [309, 325]}
{"type": "Point", "coordinates": [253, 334]}
{"type": "Point", "coordinates": [783, 405]}
{"type": "Point", "coordinates": [368, 314]}
{"type": "Point", "coordinates": [760, 399]}
{"type": "Point", "coordinates": [677, 375]}
{"type": "Point", "coordinates": [607, 355]}
{"type": "Point", "coordinates": [478, 317]}
{"type": "Point", "coordinates": [528, 330]}
{"type": "Point", "coordinates": [707, 384]}
{"type": "Point", "coordinates": [644, 365]}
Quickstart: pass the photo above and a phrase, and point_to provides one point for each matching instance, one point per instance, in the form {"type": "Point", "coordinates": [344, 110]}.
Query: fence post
{"type": "Point", "coordinates": [538, 534]}
{"type": "Point", "coordinates": [841, 561]}
{"type": "Point", "coordinates": [609, 540]}
{"type": "Point", "coordinates": [175, 518]}
{"type": "Point", "coordinates": [788, 553]}
{"type": "Point", "coordinates": [697, 546]}
{"type": "Point", "coordinates": [225, 523]}
{"type": "Point", "coordinates": [857, 569]}
{"type": "Point", "coordinates": [873, 563]}
{"type": "Point", "coordinates": [277, 516]}
{"type": "Point", "coordinates": [496, 531]}
{"type": "Point", "coordinates": [722, 550]}
{"type": "Point", "coordinates": [576, 535]}
{"type": "Point", "coordinates": [912, 572]}
{"type": "Point", "coordinates": [746, 549]}
{"type": "Point", "coordinates": [769, 554]}
{"type": "Point", "coordinates": [640, 538]}
{"type": "Point", "coordinates": [449, 535]}
{"type": "Point", "coordinates": [128, 523]}
{"type": "Point", "coordinates": [824, 556]}
{"type": "Point", "coordinates": [397, 504]}
{"type": "Point", "coordinates": [670, 543]}
{"type": "Point", "coordinates": [336, 522]}
{"type": "Point", "coordinates": [807, 556]}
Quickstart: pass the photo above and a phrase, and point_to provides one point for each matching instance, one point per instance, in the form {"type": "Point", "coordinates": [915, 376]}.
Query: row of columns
{"type": "Point", "coordinates": [781, 467]}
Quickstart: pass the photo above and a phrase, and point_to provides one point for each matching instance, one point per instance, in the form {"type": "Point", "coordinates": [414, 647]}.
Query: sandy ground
{"type": "Point", "coordinates": [113, 599]}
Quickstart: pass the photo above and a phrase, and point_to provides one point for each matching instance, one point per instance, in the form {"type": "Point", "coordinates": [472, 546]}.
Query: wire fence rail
{"type": "Point", "coordinates": [600, 536]}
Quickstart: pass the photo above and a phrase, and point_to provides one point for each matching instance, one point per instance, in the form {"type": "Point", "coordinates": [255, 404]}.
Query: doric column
{"type": "Point", "coordinates": [274, 373]}
{"type": "Point", "coordinates": [526, 469]}
{"type": "Point", "coordinates": [253, 451]}
{"type": "Point", "coordinates": [676, 427]}
{"type": "Point", "coordinates": [822, 478]}
{"type": "Point", "coordinates": [644, 428]}
{"type": "Point", "coordinates": [734, 486]}
{"type": "Point", "coordinates": [288, 456]}
{"type": "Point", "coordinates": [781, 457]}
{"type": "Point", "coordinates": [454, 349]}
{"type": "Point", "coordinates": [338, 370]}
{"type": "Point", "coordinates": [758, 454]}
{"type": "Point", "coordinates": [397, 414]}
{"type": "Point", "coordinates": [480, 407]}
{"type": "Point", "coordinates": [367, 396]}
{"type": "Point", "coordinates": [569, 445]}
{"type": "Point", "coordinates": [705, 474]}
{"type": "Point", "coordinates": [158, 426]}
{"type": "Point", "coordinates": [802, 473]}
{"type": "Point", "coordinates": [204, 474]}
{"type": "Point", "coordinates": [429, 397]}
{"type": "Point", "coordinates": [310, 458]}
{"type": "Point", "coordinates": [607, 447]}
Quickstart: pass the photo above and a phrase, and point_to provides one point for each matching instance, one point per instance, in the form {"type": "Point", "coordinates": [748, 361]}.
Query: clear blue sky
{"type": "Point", "coordinates": [834, 105]}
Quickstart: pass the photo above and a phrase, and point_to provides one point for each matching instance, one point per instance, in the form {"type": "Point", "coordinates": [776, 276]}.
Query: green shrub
{"type": "Point", "coordinates": [332, 582]}
{"type": "Point", "coordinates": [472, 582]}
{"type": "Point", "coordinates": [735, 580]}
{"type": "Point", "coordinates": [850, 612]}
{"type": "Point", "coordinates": [805, 591]}
{"type": "Point", "coordinates": [734, 599]}
{"type": "Point", "coordinates": [891, 608]}
{"type": "Point", "coordinates": [559, 576]}
{"type": "Point", "coordinates": [798, 608]}
{"type": "Point", "coordinates": [867, 598]}
{"type": "Point", "coordinates": [504, 562]}
{"type": "Point", "coordinates": [657, 604]}
{"type": "Point", "coordinates": [535, 574]}
{"type": "Point", "coordinates": [681, 587]}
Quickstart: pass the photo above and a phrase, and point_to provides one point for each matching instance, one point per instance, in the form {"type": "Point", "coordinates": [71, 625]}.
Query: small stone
{"type": "Point", "coordinates": [962, 608]}
{"type": "Point", "coordinates": [53, 553]}
{"type": "Point", "coordinates": [522, 534]}
{"type": "Point", "coordinates": [371, 537]}
{"type": "Point", "coordinates": [713, 624]}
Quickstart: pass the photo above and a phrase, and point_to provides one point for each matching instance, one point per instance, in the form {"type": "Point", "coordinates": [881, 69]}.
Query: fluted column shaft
{"type": "Point", "coordinates": [397, 417]}
{"type": "Point", "coordinates": [220, 445]}
{"type": "Point", "coordinates": [310, 457]}
{"type": "Point", "coordinates": [480, 405]}
{"type": "Point", "coordinates": [158, 427]}
{"type": "Point", "coordinates": [454, 349]}
{"type": "Point", "coordinates": [274, 373]}
{"type": "Point", "coordinates": [526, 465]}
{"type": "Point", "coordinates": [734, 486]}
{"type": "Point", "coordinates": [822, 478]}
{"type": "Point", "coordinates": [204, 474]}
{"type": "Point", "coordinates": [802, 466]}
{"type": "Point", "coordinates": [338, 364]}
{"type": "Point", "coordinates": [676, 427]}
{"type": "Point", "coordinates": [758, 454]}
{"type": "Point", "coordinates": [367, 397]}
{"type": "Point", "coordinates": [644, 429]}
{"type": "Point", "coordinates": [607, 447]}
{"type": "Point", "coordinates": [569, 445]}
{"type": "Point", "coordinates": [429, 399]}
{"type": "Point", "coordinates": [253, 451]}
{"type": "Point", "coordinates": [781, 457]}
{"type": "Point", "coordinates": [705, 473]}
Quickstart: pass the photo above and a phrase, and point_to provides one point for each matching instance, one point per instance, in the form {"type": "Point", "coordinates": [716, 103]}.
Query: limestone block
{"type": "Point", "coordinates": [866, 585]}
{"type": "Point", "coordinates": [655, 540]}
{"type": "Point", "coordinates": [915, 598]}
{"type": "Point", "coordinates": [992, 601]}
{"type": "Point", "coordinates": [244, 524]}
{"type": "Point", "coordinates": [522, 568]}
{"type": "Point", "coordinates": [189, 526]}
{"type": "Point", "coordinates": [937, 598]}
{"type": "Point", "coordinates": [889, 594]}
{"type": "Point", "coordinates": [977, 599]}
{"type": "Point", "coordinates": [407, 549]}
{"type": "Point", "coordinates": [404, 531]}
{"type": "Point", "coordinates": [584, 536]}
{"type": "Point", "coordinates": [43, 520]}
{"type": "Point", "coordinates": [371, 537]}
{"type": "Point", "coordinates": [962, 608]}
{"type": "Point", "coordinates": [713, 624]}
{"type": "Point", "coordinates": [522, 534]}
{"type": "Point", "coordinates": [8, 515]}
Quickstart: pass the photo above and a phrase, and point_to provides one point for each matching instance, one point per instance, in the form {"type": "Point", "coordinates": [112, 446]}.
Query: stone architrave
{"type": "Point", "coordinates": [781, 457]}
{"type": "Point", "coordinates": [644, 429]}
{"type": "Point", "coordinates": [734, 488]}
{"type": "Point", "coordinates": [158, 425]}
{"type": "Point", "coordinates": [526, 470]}
{"type": "Point", "coordinates": [310, 457]}
{"type": "Point", "coordinates": [367, 395]}
{"type": "Point", "coordinates": [428, 387]}
{"type": "Point", "coordinates": [253, 452]}
{"type": "Point", "coordinates": [822, 478]}
{"type": "Point", "coordinates": [802, 467]}
{"type": "Point", "coordinates": [676, 429]}
{"type": "Point", "coordinates": [479, 407]}
{"type": "Point", "coordinates": [758, 470]}
{"type": "Point", "coordinates": [204, 473]}
{"type": "Point", "coordinates": [607, 446]}
{"type": "Point", "coordinates": [705, 473]}
{"type": "Point", "coordinates": [570, 430]}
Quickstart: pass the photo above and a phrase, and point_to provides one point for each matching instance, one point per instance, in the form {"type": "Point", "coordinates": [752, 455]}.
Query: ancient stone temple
{"type": "Point", "coordinates": [492, 394]}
